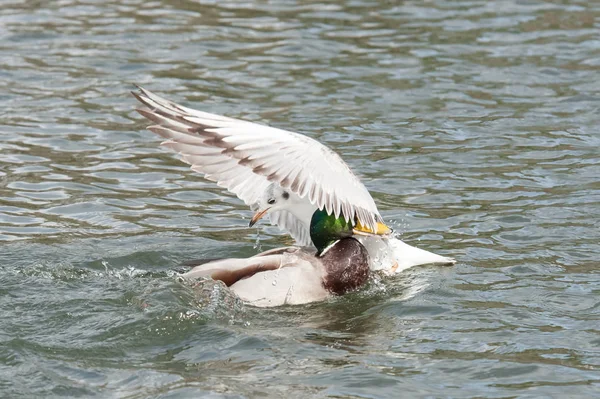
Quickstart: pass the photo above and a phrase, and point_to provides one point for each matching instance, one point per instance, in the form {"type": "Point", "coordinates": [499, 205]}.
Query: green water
{"type": "Point", "coordinates": [473, 123]}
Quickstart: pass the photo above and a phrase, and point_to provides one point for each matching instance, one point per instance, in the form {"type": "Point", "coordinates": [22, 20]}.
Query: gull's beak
{"type": "Point", "coordinates": [257, 216]}
{"type": "Point", "coordinates": [380, 230]}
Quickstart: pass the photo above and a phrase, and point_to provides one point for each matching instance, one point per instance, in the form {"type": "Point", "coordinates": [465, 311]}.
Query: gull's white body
{"type": "Point", "coordinates": [248, 159]}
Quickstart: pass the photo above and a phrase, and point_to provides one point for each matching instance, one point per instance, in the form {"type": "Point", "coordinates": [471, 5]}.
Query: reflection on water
{"type": "Point", "coordinates": [474, 125]}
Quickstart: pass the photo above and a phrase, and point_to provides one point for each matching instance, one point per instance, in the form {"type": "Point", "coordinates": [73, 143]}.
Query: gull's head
{"type": "Point", "coordinates": [275, 198]}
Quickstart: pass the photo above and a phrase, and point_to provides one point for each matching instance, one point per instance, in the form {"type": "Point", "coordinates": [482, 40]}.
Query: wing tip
{"type": "Point", "coordinates": [142, 97]}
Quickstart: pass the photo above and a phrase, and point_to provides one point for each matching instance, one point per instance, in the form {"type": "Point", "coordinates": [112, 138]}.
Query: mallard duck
{"type": "Point", "coordinates": [294, 275]}
{"type": "Point", "coordinates": [285, 175]}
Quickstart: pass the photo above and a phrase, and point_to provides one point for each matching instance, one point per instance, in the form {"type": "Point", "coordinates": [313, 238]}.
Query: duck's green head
{"type": "Point", "coordinates": [325, 229]}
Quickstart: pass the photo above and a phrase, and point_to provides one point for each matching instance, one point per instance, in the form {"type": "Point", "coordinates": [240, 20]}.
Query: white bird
{"type": "Point", "coordinates": [285, 175]}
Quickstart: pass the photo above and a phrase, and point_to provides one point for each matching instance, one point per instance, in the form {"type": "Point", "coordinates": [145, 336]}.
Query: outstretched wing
{"type": "Point", "coordinates": [246, 157]}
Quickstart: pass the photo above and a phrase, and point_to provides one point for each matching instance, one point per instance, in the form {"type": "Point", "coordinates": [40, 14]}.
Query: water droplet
{"type": "Point", "coordinates": [257, 242]}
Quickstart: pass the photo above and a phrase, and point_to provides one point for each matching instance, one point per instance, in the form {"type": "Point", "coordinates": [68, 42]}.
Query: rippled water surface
{"type": "Point", "coordinates": [473, 123]}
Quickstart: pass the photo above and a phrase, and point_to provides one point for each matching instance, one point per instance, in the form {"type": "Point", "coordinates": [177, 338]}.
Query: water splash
{"type": "Point", "coordinates": [257, 245]}
{"type": "Point", "coordinates": [216, 302]}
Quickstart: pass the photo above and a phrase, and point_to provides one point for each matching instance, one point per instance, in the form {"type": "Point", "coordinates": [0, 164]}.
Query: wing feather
{"type": "Point", "coordinates": [288, 222]}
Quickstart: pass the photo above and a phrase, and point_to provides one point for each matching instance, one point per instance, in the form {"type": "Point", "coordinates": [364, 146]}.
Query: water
{"type": "Point", "coordinates": [473, 123]}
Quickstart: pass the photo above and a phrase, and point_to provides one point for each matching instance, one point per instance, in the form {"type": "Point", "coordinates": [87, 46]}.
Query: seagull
{"type": "Point", "coordinates": [285, 175]}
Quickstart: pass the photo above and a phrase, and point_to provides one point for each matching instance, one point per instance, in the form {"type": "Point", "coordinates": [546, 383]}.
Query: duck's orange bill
{"type": "Point", "coordinates": [380, 230]}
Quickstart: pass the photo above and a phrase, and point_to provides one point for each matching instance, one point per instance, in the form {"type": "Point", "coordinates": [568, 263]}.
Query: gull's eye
{"type": "Point", "coordinates": [285, 195]}
{"type": "Point", "coordinates": [271, 201]}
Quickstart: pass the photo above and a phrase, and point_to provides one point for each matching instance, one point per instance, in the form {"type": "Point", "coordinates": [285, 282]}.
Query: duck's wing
{"type": "Point", "coordinates": [274, 251]}
{"type": "Point", "coordinates": [246, 157]}
{"type": "Point", "coordinates": [278, 251]}
{"type": "Point", "coordinates": [233, 270]}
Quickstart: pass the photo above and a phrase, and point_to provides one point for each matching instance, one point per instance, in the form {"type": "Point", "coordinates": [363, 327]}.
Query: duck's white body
{"type": "Point", "coordinates": [289, 278]}
{"type": "Point", "coordinates": [291, 275]}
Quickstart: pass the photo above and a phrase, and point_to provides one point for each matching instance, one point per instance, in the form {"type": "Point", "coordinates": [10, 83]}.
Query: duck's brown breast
{"type": "Point", "coordinates": [346, 266]}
